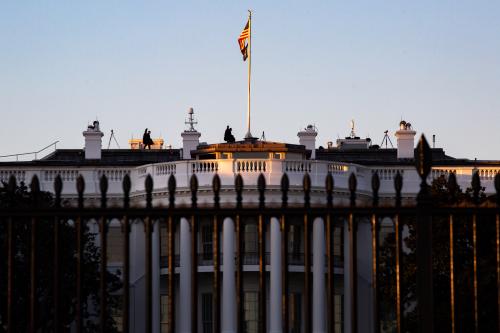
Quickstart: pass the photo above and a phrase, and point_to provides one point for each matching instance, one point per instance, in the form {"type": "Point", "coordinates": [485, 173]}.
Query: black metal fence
{"type": "Point", "coordinates": [406, 280]}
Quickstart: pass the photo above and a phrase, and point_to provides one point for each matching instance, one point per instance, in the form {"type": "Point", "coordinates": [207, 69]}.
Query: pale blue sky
{"type": "Point", "coordinates": [143, 64]}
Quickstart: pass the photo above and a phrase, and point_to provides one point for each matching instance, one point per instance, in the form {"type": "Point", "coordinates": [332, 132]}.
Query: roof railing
{"type": "Point", "coordinates": [33, 152]}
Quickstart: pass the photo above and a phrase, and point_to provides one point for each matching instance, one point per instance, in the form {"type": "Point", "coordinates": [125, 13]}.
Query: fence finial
{"type": "Point", "coordinates": [35, 189]}
{"type": "Point", "coordinates": [497, 188]}
{"type": "Point", "coordinates": [80, 187]}
{"type": "Point", "coordinates": [398, 186]}
{"type": "Point", "coordinates": [423, 158]}
{"type": "Point", "coordinates": [12, 184]}
{"type": "Point", "coordinates": [353, 184]}
{"type": "Point", "coordinates": [103, 186]}
{"type": "Point", "coordinates": [452, 186]}
{"type": "Point", "coordinates": [216, 188]}
{"type": "Point", "coordinates": [126, 185]}
{"type": "Point", "coordinates": [306, 185]}
{"type": "Point", "coordinates": [476, 187]}
{"type": "Point", "coordinates": [58, 185]}
{"type": "Point", "coordinates": [329, 184]}
{"type": "Point", "coordinates": [193, 184]}
{"type": "Point", "coordinates": [148, 185]}
{"type": "Point", "coordinates": [238, 186]}
{"type": "Point", "coordinates": [261, 186]}
{"type": "Point", "coordinates": [285, 186]}
{"type": "Point", "coordinates": [172, 185]}
{"type": "Point", "coordinates": [375, 187]}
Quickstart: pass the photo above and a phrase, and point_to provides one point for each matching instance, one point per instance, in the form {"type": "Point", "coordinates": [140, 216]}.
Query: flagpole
{"type": "Point", "coordinates": [249, 135]}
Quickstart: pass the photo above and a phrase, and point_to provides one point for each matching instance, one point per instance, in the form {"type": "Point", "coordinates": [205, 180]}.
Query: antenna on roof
{"type": "Point", "coordinates": [190, 120]}
{"type": "Point", "coordinates": [112, 136]}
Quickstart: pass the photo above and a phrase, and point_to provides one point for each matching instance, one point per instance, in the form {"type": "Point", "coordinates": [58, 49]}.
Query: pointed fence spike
{"type": "Point", "coordinates": [103, 186]}
{"type": "Point", "coordinates": [306, 185]}
{"type": "Point", "coordinates": [12, 183]}
{"type": "Point", "coordinates": [329, 183]}
{"type": "Point", "coordinates": [80, 188]}
{"type": "Point", "coordinates": [476, 186]}
{"type": "Point", "coordinates": [285, 186]}
{"type": "Point", "coordinates": [216, 188]}
{"type": "Point", "coordinates": [193, 184]}
{"type": "Point", "coordinates": [172, 185]}
{"type": "Point", "coordinates": [375, 187]}
{"type": "Point", "coordinates": [238, 186]}
{"type": "Point", "coordinates": [261, 185]}
{"type": "Point", "coordinates": [353, 184]}
{"type": "Point", "coordinates": [398, 186]}
{"type": "Point", "coordinates": [423, 158]}
{"type": "Point", "coordinates": [35, 185]}
{"type": "Point", "coordinates": [58, 185]}
{"type": "Point", "coordinates": [148, 185]}
{"type": "Point", "coordinates": [452, 184]}
{"type": "Point", "coordinates": [497, 187]}
{"type": "Point", "coordinates": [126, 185]}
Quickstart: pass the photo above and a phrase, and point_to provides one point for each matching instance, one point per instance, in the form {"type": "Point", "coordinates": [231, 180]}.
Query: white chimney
{"type": "Point", "coordinates": [93, 141]}
{"type": "Point", "coordinates": [307, 138]}
{"type": "Point", "coordinates": [190, 137]}
{"type": "Point", "coordinates": [405, 138]}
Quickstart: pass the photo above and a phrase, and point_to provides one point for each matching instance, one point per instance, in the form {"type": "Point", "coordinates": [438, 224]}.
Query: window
{"type": "Point", "coordinates": [250, 245]}
{"type": "Point", "coordinates": [115, 245]}
{"type": "Point", "coordinates": [251, 315]}
{"type": "Point", "coordinates": [163, 240]}
{"type": "Point", "coordinates": [339, 313]}
{"type": "Point", "coordinates": [338, 242]}
{"type": "Point", "coordinates": [164, 313]}
{"type": "Point", "coordinates": [206, 239]}
{"type": "Point", "coordinates": [295, 244]}
{"type": "Point", "coordinates": [116, 311]}
{"type": "Point", "coordinates": [206, 312]}
{"type": "Point", "coordinates": [295, 312]}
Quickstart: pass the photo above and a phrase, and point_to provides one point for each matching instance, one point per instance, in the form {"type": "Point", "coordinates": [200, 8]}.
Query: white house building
{"type": "Point", "coordinates": [249, 158]}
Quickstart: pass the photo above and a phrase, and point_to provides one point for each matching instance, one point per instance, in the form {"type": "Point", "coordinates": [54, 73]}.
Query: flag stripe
{"type": "Point", "coordinates": [242, 40]}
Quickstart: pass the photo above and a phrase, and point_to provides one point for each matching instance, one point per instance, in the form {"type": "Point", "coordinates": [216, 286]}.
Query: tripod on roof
{"type": "Point", "coordinates": [386, 139]}
{"type": "Point", "coordinates": [114, 138]}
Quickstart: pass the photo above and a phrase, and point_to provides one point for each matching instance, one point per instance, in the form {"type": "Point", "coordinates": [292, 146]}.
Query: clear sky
{"type": "Point", "coordinates": [144, 63]}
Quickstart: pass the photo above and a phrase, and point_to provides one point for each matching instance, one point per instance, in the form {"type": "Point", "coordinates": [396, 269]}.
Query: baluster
{"type": "Point", "coordinates": [126, 185]}
{"type": "Point", "coordinates": [238, 185]}
{"type": "Point", "coordinates": [58, 184]}
{"type": "Point", "coordinates": [171, 254]}
{"type": "Point", "coordinates": [261, 185]}
{"type": "Point", "coordinates": [398, 185]}
{"type": "Point", "coordinates": [216, 185]}
{"type": "Point", "coordinates": [330, 255]}
{"type": "Point", "coordinates": [148, 185]}
{"type": "Point", "coordinates": [423, 159]}
{"type": "Point", "coordinates": [103, 228]}
{"type": "Point", "coordinates": [353, 256]}
{"type": "Point", "coordinates": [285, 185]}
{"type": "Point", "coordinates": [375, 228]}
{"type": "Point", "coordinates": [194, 255]}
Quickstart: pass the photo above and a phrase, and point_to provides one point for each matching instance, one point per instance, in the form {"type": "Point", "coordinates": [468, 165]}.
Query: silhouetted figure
{"type": "Point", "coordinates": [228, 135]}
{"type": "Point", "coordinates": [146, 139]}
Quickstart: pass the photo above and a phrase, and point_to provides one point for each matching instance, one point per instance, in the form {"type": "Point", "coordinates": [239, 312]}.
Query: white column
{"type": "Point", "coordinates": [275, 283]}
{"type": "Point", "coordinates": [185, 278]}
{"type": "Point", "coordinates": [228, 279]}
{"type": "Point", "coordinates": [319, 292]}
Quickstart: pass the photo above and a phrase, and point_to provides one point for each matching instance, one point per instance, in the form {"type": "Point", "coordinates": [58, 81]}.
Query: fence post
{"type": "Point", "coordinates": [423, 159]}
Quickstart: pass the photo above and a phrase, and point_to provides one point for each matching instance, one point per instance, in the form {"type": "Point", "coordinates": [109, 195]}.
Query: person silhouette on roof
{"type": "Point", "coordinates": [146, 139]}
{"type": "Point", "coordinates": [228, 135]}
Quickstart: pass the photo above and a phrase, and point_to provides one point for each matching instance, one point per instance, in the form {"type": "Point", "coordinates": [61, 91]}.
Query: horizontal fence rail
{"type": "Point", "coordinates": [433, 264]}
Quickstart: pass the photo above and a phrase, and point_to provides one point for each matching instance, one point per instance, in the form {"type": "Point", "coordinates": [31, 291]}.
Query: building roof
{"type": "Point", "coordinates": [109, 157]}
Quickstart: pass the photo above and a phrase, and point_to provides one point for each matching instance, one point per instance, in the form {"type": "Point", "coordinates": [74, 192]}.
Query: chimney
{"type": "Point", "coordinates": [190, 137]}
{"type": "Point", "coordinates": [93, 141]}
{"type": "Point", "coordinates": [405, 140]}
{"type": "Point", "coordinates": [307, 138]}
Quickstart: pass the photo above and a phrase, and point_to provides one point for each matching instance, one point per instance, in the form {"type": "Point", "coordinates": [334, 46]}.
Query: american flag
{"type": "Point", "coordinates": [243, 40]}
